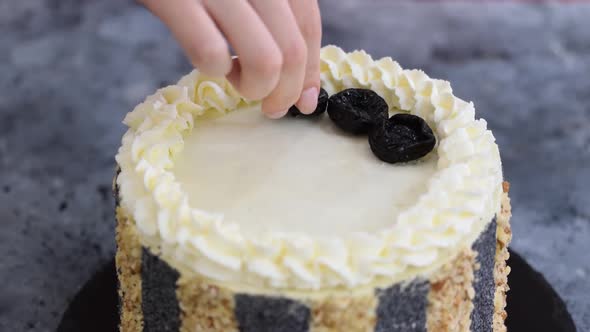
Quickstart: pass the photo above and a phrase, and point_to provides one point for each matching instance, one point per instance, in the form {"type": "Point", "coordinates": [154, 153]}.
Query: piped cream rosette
{"type": "Point", "coordinates": [461, 198]}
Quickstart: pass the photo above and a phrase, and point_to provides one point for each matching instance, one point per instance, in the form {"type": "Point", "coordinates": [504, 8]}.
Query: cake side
{"type": "Point", "coordinates": [442, 303]}
{"type": "Point", "coordinates": [450, 300]}
{"type": "Point", "coordinates": [128, 262]}
{"type": "Point", "coordinates": [354, 313]}
{"type": "Point", "coordinates": [501, 269]}
{"type": "Point", "coordinates": [205, 307]}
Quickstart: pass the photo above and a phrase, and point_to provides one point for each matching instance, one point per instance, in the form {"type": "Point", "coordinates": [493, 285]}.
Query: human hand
{"type": "Point", "coordinates": [277, 43]}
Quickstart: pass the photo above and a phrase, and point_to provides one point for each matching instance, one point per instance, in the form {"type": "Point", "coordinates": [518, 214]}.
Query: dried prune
{"type": "Point", "coordinates": [320, 109]}
{"type": "Point", "coordinates": [356, 111]}
{"type": "Point", "coordinates": [402, 138]}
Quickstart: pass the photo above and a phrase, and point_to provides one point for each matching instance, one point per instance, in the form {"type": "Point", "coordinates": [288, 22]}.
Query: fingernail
{"type": "Point", "coordinates": [277, 115]}
{"type": "Point", "coordinates": [308, 101]}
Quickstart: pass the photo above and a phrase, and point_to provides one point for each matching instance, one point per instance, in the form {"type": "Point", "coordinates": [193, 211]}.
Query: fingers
{"type": "Point", "coordinates": [277, 43]}
{"type": "Point", "coordinates": [196, 32]}
{"type": "Point", "coordinates": [280, 21]}
{"type": "Point", "coordinates": [307, 14]}
{"type": "Point", "coordinates": [260, 58]}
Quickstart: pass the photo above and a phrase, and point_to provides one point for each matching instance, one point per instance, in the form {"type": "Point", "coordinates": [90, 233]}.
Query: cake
{"type": "Point", "coordinates": [228, 221]}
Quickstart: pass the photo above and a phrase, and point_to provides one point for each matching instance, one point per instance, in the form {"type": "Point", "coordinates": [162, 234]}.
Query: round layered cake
{"type": "Point", "coordinates": [229, 221]}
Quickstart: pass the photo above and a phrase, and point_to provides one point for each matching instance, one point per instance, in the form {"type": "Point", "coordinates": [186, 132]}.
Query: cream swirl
{"type": "Point", "coordinates": [462, 196]}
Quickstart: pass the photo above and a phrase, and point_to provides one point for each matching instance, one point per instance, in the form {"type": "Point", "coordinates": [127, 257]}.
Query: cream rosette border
{"type": "Point", "coordinates": [462, 196]}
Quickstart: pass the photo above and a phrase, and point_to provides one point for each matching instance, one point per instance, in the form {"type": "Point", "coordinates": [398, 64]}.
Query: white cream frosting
{"type": "Point", "coordinates": [460, 197]}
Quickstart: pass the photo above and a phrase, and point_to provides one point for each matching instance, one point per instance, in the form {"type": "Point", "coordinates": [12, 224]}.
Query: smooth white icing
{"type": "Point", "coordinates": [309, 178]}
{"type": "Point", "coordinates": [460, 198]}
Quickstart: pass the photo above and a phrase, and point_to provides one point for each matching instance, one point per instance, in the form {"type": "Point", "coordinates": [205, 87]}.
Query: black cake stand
{"type": "Point", "coordinates": [533, 305]}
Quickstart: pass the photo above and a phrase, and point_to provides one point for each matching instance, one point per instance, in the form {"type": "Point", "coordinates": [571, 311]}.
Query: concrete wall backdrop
{"type": "Point", "coordinates": [71, 69]}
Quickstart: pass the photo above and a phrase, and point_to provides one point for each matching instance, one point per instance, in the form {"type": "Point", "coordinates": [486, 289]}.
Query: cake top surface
{"type": "Point", "coordinates": [310, 178]}
{"type": "Point", "coordinates": [218, 190]}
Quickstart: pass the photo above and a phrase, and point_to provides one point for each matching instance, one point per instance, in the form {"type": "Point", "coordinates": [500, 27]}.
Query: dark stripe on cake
{"type": "Point", "coordinates": [402, 308]}
{"type": "Point", "coordinates": [483, 284]}
{"type": "Point", "coordinates": [270, 314]}
{"type": "Point", "coordinates": [161, 312]}
{"type": "Point", "coordinates": [115, 188]}
{"type": "Point", "coordinates": [115, 192]}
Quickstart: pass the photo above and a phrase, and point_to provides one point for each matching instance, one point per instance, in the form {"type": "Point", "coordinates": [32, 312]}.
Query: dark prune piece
{"type": "Point", "coordinates": [320, 109]}
{"type": "Point", "coordinates": [356, 111]}
{"type": "Point", "coordinates": [402, 138]}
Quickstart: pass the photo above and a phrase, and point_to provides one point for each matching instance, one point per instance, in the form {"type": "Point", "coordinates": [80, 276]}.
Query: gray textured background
{"type": "Point", "coordinates": [71, 69]}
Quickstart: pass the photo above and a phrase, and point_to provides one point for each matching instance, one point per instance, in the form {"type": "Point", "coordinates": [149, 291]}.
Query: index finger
{"type": "Point", "coordinates": [196, 32]}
